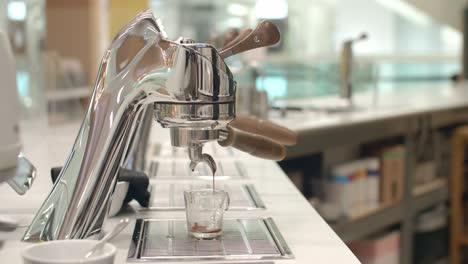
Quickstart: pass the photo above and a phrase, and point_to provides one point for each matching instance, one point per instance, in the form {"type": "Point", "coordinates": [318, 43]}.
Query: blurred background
{"type": "Point", "coordinates": [58, 44]}
{"type": "Point", "coordinates": [410, 43]}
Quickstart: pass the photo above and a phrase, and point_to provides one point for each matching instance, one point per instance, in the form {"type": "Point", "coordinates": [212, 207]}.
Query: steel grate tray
{"type": "Point", "coordinates": [170, 196]}
{"type": "Point", "coordinates": [170, 169]}
{"type": "Point", "coordinates": [243, 239]}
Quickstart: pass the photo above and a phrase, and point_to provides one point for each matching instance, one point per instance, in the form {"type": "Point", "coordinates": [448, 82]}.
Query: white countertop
{"type": "Point", "coordinates": [306, 233]}
{"type": "Point", "coordinates": [385, 104]}
{"type": "Point", "coordinates": [309, 237]}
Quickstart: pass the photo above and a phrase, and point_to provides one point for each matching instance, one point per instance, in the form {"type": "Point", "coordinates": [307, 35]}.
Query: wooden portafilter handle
{"type": "Point", "coordinates": [255, 145]}
{"type": "Point", "coordinates": [265, 128]}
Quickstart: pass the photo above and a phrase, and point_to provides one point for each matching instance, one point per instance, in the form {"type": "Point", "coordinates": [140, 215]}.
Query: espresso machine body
{"type": "Point", "coordinates": [186, 86]}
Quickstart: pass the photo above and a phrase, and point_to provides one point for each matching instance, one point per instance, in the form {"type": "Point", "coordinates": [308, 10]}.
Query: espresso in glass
{"type": "Point", "coordinates": [205, 210]}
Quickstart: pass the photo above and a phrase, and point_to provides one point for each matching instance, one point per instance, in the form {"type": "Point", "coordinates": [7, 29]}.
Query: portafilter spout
{"type": "Point", "coordinates": [188, 87]}
{"type": "Point", "coordinates": [194, 140]}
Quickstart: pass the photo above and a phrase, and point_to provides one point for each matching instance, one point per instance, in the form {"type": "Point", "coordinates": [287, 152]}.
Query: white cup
{"type": "Point", "coordinates": [67, 252]}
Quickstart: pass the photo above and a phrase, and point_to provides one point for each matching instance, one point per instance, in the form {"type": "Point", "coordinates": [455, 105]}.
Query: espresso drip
{"type": "Point", "coordinates": [213, 173]}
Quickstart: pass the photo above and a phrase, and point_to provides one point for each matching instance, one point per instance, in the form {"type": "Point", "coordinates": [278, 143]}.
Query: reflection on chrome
{"type": "Point", "coordinates": [190, 90]}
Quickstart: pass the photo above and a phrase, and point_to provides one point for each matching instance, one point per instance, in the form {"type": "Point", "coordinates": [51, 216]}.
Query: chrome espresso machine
{"type": "Point", "coordinates": [189, 90]}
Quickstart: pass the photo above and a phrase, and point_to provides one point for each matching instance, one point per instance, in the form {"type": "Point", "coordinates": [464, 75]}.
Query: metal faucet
{"type": "Point", "coordinates": [346, 67]}
{"type": "Point", "coordinates": [186, 86]}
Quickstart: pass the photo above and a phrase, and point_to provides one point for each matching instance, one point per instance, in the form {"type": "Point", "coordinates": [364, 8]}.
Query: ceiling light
{"type": "Point", "coordinates": [271, 9]}
{"type": "Point", "coordinates": [234, 22]}
{"type": "Point", "coordinates": [16, 10]}
{"type": "Point", "coordinates": [237, 9]}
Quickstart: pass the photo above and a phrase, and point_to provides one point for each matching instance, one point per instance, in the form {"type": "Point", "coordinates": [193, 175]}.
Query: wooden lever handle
{"type": "Point", "coordinates": [253, 144]}
{"type": "Point", "coordinates": [265, 128]}
{"type": "Point", "coordinates": [266, 34]}
{"type": "Point", "coordinates": [244, 33]}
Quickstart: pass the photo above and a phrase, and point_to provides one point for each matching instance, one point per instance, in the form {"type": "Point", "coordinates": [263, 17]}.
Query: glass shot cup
{"type": "Point", "coordinates": [205, 211]}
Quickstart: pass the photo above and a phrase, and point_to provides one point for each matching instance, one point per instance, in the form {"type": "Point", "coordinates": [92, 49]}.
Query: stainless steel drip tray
{"type": "Point", "coordinates": [242, 239]}
{"type": "Point", "coordinates": [170, 196]}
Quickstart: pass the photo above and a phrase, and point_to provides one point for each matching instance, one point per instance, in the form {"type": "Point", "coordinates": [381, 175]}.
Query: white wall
{"type": "Point", "coordinates": [417, 39]}
{"type": "Point", "coordinates": [449, 12]}
{"type": "Point", "coordinates": [319, 27]}
{"type": "Point", "coordinates": [356, 16]}
{"type": "Point", "coordinates": [310, 27]}
{"type": "Point", "coordinates": [391, 32]}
